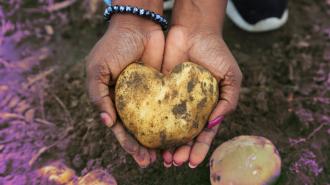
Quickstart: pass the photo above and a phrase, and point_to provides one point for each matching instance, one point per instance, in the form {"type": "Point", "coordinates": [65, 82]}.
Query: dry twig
{"type": "Point", "coordinates": [60, 6]}
{"type": "Point", "coordinates": [46, 148]}
{"type": "Point", "coordinates": [315, 131]}
{"type": "Point", "coordinates": [63, 106]}
{"type": "Point", "coordinates": [8, 115]}
{"type": "Point", "coordinates": [38, 77]}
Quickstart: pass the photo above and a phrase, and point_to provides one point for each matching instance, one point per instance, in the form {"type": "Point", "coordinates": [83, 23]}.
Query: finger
{"type": "Point", "coordinates": [153, 156]}
{"type": "Point", "coordinates": [98, 77]}
{"type": "Point", "coordinates": [154, 49]}
{"type": "Point", "coordinates": [202, 146]}
{"type": "Point", "coordinates": [221, 63]}
{"type": "Point", "coordinates": [181, 154]}
{"type": "Point", "coordinates": [229, 95]}
{"type": "Point", "coordinates": [131, 146]}
{"type": "Point", "coordinates": [142, 157]}
{"type": "Point", "coordinates": [175, 52]}
{"type": "Point", "coordinates": [168, 158]}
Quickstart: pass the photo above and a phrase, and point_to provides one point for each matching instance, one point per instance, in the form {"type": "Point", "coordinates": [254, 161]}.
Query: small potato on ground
{"type": "Point", "coordinates": [97, 177]}
{"type": "Point", "coordinates": [245, 160]}
{"type": "Point", "coordinates": [57, 172]}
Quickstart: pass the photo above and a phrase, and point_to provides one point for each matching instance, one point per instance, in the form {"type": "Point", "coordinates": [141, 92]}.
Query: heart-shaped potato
{"type": "Point", "coordinates": [163, 111]}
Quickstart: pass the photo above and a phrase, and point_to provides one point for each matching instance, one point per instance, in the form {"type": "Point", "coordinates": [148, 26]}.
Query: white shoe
{"type": "Point", "coordinates": [258, 15]}
{"type": "Point", "coordinates": [168, 4]}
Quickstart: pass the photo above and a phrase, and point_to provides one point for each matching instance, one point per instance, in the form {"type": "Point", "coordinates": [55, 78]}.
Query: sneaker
{"type": "Point", "coordinates": [258, 15]}
{"type": "Point", "coordinates": [168, 4]}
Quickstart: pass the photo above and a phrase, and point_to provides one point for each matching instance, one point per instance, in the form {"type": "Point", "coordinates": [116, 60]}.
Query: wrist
{"type": "Point", "coordinates": [151, 5]}
{"type": "Point", "coordinates": [200, 14]}
{"type": "Point", "coordinates": [133, 21]}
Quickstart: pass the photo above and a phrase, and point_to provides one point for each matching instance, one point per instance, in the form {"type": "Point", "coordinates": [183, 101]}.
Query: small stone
{"type": "Point", "coordinates": [77, 161]}
{"type": "Point", "coordinates": [49, 29]}
{"type": "Point", "coordinates": [29, 115]}
{"type": "Point", "coordinates": [302, 44]}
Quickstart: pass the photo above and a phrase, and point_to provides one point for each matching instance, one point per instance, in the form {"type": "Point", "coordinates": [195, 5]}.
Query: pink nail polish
{"type": "Point", "coordinates": [105, 118]}
{"type": "Point", "coordinates": [215, 122]}
{"type": "Point", "coordinates": [175, 164]}
{"type": "Point", "coordinates": [167, 165]}
{"type": "Point", "coordinates": [191, 166]}
{"type": "Point", "coordinates": [143, 166]}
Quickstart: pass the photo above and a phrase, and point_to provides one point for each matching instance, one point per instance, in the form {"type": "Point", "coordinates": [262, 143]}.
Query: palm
{"type": "Point", "coordinates": [118, 48]}
{"type": "Point", "coordinates": [208, 50]}
{"type": "Point", "coordinates": [142, 155]}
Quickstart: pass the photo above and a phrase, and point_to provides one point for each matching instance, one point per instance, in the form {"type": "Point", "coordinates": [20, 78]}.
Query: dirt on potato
{"type": "Point", "coordinates": [159, 120]}
{"type": "Point", "coordinates": [45, 114]}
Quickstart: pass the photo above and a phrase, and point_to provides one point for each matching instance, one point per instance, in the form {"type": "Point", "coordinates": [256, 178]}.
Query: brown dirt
{"type": "Point", "coordinates": [285, 97]}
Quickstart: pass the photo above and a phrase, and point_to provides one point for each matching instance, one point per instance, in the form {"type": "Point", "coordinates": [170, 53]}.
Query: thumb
{"type": "Point", "coordinates": [175, 50]}
{"type": "Point", "coordinates": [154, 49]}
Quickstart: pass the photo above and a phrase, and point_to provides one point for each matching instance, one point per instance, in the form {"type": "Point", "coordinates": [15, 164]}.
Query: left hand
{"type": "Point", "coordinates": [203, 46]}
{"type": "Point", "coordinates": [128, 39]}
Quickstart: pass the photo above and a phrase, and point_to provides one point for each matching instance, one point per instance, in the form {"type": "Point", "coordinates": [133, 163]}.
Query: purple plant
{"type": "Point", "coordinates": [307, 163]}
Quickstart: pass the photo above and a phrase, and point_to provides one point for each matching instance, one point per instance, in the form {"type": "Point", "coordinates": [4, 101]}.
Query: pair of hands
{"type": "Point", "coordinates": [131, 39]}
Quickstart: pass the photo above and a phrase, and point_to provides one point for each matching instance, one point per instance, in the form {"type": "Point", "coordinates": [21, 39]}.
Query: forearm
{"type": "Point", "coordinates": [199, 14]}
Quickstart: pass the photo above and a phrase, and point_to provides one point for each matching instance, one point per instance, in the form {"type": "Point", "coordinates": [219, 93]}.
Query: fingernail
{"type": "Point", "coordinates": [176, 164]}
{"type": "Point", "coordinates": [192, 166]}
{"type": "Point", "coordinates": [215, 121]}
{"type": "Point", "coordinates": [143, 166]}
{"type": "Point", "coordinates": [167, 165]}
{"type": "Point", "coordinates": [106, 119]}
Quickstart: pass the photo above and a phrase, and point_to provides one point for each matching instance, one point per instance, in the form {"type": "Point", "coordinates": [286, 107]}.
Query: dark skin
{"type": "Point", "coordinates": [194, 35]}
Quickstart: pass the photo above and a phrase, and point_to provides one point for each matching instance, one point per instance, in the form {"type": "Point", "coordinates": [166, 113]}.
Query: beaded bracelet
{"type": "Point", "coordinates": [135, 11]}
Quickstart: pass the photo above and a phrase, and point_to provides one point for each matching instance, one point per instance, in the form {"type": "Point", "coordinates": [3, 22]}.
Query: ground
{"type": "Point", "coordinates": [46, 116]}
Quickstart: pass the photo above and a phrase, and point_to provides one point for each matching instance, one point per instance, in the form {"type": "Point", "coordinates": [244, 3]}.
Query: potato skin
{"type": "Point", "coordinates": [245, 160]}
{"type": "Point", "coordinates": [97, 177]}
{"type": "Point", "coordinates": [58, 172]}
{"type": "Point", "coordinates": [164, 111]}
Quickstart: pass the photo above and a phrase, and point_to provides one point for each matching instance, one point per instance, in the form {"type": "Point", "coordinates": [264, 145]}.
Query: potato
{"type": "Point", "coordinates": [97, 177]}
{"type": "Point", "coordinates": [164, 111]}
{"type": "Point", "coordinates": [245, 160]}
{"type": "Point", "coordinates": [58, 173]}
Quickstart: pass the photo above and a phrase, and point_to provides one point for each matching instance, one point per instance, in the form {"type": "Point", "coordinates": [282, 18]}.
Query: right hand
{"type": "Point", "coordinates": [196, 36]}
{"type": "Point", "coordinates": [128, 39]}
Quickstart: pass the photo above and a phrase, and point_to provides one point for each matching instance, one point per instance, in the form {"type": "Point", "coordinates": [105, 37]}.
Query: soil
{"type": "Point", "coordinates": [285, 96]}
